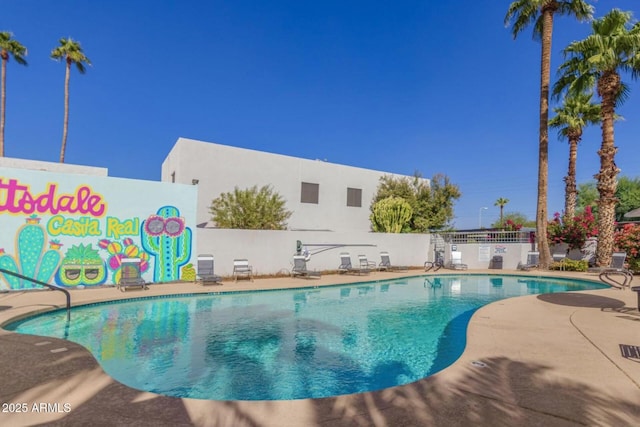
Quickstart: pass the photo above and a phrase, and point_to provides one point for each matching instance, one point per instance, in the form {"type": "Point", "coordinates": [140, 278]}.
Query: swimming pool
{"type": "Point", "coordinates": [288, 344]}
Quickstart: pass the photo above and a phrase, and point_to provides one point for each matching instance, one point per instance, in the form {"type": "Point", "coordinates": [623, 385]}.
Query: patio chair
{"type": "Point", "coordinates": [365, 263]}
{"type": "Point", "coordinates": [130, 274]}
{"type": "Point", "coordinates": [205, 274]}
{"type": "Point", "coordinates": [533, 259]}
{"type": "Point", "coordinates": [241, 268]}
{"type": "Point", "coordinates": [300, 268]}
{"type": "Point", "coordinates": [347, 267]}
{"type": "Point", "coordinates": [560, 258]}
{"type": "Point", "coordinates": [385, 263]}
{"type": "Point", "coordinates": [617, 262]}
{"type": "Point", "coordinates": [456, 261]}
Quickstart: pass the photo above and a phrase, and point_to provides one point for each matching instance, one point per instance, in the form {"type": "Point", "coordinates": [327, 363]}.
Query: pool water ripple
{"type": "Point", "coordinates": [288, 344]}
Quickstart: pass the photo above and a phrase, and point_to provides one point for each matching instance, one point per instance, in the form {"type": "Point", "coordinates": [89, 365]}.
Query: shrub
{"type": "Point", "coordinates": [627, 240]}
{"type": "Point", "coordinates": [391, 215]}
{"type": "Point", "coordinates": [574, 231]}
{"type": "Point", "coordinates": [250, 209]}
{"type": "Point", "coordinates": [570, 265]}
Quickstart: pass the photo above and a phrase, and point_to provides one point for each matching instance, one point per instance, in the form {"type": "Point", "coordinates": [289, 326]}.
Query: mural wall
{"type": "Point", "coordinates": [74, 230]}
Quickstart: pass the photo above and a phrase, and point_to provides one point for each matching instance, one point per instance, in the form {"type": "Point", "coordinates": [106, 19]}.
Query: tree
{"type": "Point", "coordinates": [8, 48]}
{"type": "Point", "coordinates": [540, 13]}
{"type": "Point", "coordinates": [501, 202]}
{"type": "Point", "coordinates": [516, 218]}
{"type": "Point", "coordinates": [587, 196]}
{"type": "Point", "coordinates": [250, 209]}
{"type": "Point", "coordinates": [627, 196]}
{"type": "Point", "coordinates": [431, 203]}
{"type": "Point", "coordinates": [72, 53]}
{"type": "Point", "coordinates": [391, 215]}
{"type": "Point", "coordinates": [612, 48]}
{"type": "Point", "coordinates": [576, 112]}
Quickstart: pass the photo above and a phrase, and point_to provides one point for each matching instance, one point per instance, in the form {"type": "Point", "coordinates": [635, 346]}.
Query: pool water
{"type": "Point", "coordinates": [289, 344]}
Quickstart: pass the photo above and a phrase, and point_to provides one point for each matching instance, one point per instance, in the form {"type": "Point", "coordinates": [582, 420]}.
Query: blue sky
{"type": "Point", "coordinates": [397, 86]}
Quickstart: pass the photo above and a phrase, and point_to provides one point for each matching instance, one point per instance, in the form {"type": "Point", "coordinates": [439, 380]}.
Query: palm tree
{"type": "Point", "coordinates": [72, 53]}
{"type": "Point", "coordinates": [501, 202]}
{"type": "Point", "coordinates": [576, 113]}
{"type": "Point", "coordinates": [612, 48]}
{"type": "Point", "coordinates": [540, 13]}
{"type": "Point", "coordinates": [8, 48]}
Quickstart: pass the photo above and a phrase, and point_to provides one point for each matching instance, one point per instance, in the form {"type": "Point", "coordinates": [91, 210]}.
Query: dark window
{"type": "Point", "coordinates": [354, 197]}
{"type": "Point", "coordinates": [309, 193]}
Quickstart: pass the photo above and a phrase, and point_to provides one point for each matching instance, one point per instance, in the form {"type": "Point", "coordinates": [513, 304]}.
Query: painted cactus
{"type": "Point", "coordinates": [32, 258]}
{"type": "Point", "coordinates": [165, 237]}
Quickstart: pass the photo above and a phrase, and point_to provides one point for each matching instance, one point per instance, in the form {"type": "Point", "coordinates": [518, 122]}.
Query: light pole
{"type": "Point", "coordinates": [480, 215]}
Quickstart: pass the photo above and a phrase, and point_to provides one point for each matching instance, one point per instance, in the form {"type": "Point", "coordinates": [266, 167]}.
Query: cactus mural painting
{"type": "Point", "coordinates": [81, 266]}
{"type": "Point", "coordinates": [166, 238]}
{"type": "Point", "coordinates": [33, 258]}
{"type": "Point", "coordinates": [100, 220]}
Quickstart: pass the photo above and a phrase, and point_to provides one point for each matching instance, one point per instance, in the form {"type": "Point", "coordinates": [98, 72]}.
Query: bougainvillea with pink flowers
{"type": "Point", "coordinates": [575, 231]}
{"type": "Point", "coordinates": [627, 239]}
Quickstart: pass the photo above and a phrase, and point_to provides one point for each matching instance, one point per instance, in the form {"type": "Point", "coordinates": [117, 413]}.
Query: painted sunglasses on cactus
{"type": "Point", "coordinates": [156, 225]}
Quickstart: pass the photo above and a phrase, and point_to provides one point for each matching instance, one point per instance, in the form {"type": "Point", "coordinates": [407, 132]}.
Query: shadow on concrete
{"type": "Point", "coordinates": [581, 300]}
{"type": "Point", "coordinates": [504, 392]}
{"type": "Point", "coordinates": [5, 307]}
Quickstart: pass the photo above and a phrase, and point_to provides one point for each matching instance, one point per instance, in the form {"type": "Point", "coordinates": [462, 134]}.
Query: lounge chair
{"type": "Point", "coordinates": [385, 263]}
{"type": "Point", "coordinates": [365, 263]}
{"type": "Point", "coordinates": [205, 274]}
{"type": "Point", "coordinates": [347, 267]}
{"type": "Point", "coordinates": [130, 274]}
{"type": "Point", "coordinates": [533, 259]}
{"type": "Point", "coordinates": [560, 258]}
{"type": "Point", "coordinates": [456, 261]}
{"type": "Point", "coordinates": [617, 263]}
{"type": "Point", "coordinates": [241, 268]}
{"type": "Point", "coordinates": [300, 268]}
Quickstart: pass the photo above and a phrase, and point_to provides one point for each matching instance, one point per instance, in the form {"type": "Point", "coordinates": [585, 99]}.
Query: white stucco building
{"type": "Point", "coordinates": [321, 195]}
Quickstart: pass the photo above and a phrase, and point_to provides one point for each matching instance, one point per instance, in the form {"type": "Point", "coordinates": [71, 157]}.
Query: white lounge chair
{"type": "Point", "coordinates": [456, 261]}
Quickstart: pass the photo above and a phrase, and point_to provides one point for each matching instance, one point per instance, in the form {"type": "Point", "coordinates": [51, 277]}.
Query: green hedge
{"type": "Point", "coordinates": [570, 265]}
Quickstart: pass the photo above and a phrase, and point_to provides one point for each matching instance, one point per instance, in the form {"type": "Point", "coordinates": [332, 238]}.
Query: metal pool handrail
{"type": "Point", "coordinates": [48, 285]}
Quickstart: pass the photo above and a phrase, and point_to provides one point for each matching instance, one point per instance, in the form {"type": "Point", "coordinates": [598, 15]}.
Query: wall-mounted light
{"type": "Point", "coordinates": [195, 181]}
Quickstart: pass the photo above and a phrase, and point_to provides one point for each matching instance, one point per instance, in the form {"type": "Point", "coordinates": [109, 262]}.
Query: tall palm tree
{"type": "Point", "coordinates": [72, 53]}
{"type": "Point", "coordinates": [576, 112]}
{"type": "Point", "coordinates": [540, 13]}
{"type": "Point", "coordinates": [501, 202]}
{"type": "Point", "coordinates": [612, 48]}
{"type": "Point", "coordinates": [8, 48]}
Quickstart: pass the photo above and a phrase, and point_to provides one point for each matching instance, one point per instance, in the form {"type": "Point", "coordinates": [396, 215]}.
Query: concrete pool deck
{"type": "Point", "coordinates": [548, 360]}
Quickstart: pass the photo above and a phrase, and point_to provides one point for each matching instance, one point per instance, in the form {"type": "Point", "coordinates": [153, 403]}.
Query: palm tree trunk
{"type": "Point", "coordinates": [543, 150]}
{"type": "Point", "coordinates": [65, 125]}
{"type": "Point", "coordinates": [571, 192]}
{"type": "Point", "coordinates": [608, 87]}
{"type": "Point", "coordinates": [4, 103]}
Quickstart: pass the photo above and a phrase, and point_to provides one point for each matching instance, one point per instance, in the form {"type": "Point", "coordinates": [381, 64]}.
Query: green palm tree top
{"type": "Point", "coordinates": [576, 113]}
{"type": "Point", "coordinates": [522, 13]}
{"type": "Point", "coordinates": [613, 46]}
{"type": "Point", "coordinates": [501, 202]}
{"type": "Point", "coordinates": [71, 51]}
{"type": "Point", "coordinates": [11, 47]}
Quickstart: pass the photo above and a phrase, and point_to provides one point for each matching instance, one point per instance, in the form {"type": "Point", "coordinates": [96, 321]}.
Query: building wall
{"type": "Point", "coordinates": [73, 230]}
{"type": "Point", "coordinates": [219, 168]}
{"type": "Point", "coordinates": [37, 165]}
{"type": "Point", "coordinates": [271, 252]}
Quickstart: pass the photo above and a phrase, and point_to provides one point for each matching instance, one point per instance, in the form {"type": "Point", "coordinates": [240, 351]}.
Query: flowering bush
{"type": "Point", "coordinates": [510, 225]}
{"type": "Point", "coordinates": [573, 232]}
{"type": "Point", "coordinates": [628, 240]}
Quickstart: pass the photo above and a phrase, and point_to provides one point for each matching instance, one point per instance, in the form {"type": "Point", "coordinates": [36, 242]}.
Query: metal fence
{"type": "Point", "coordinates": [488, 236]}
